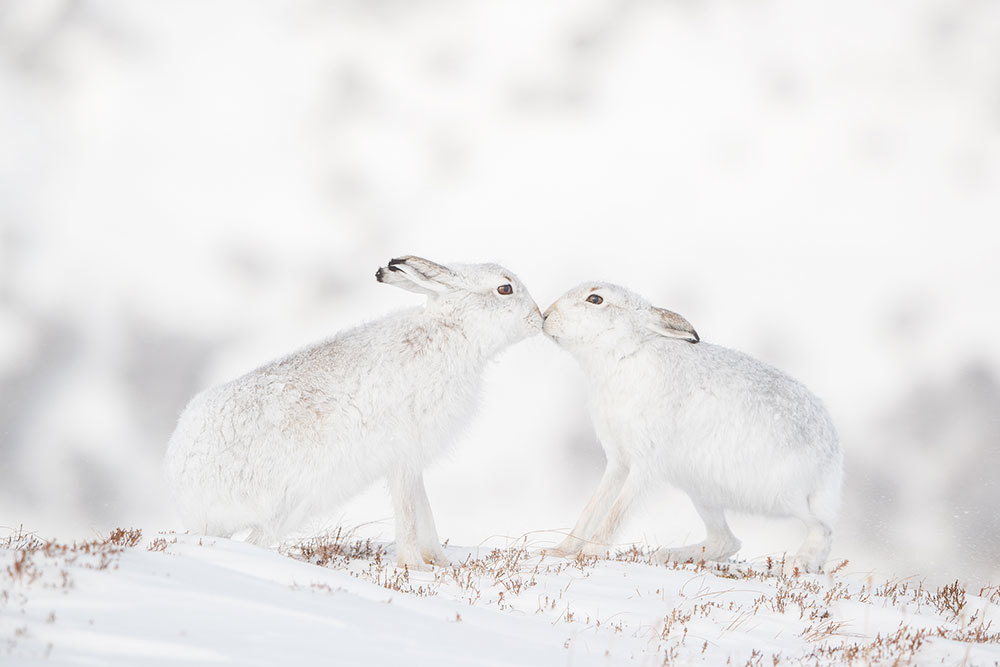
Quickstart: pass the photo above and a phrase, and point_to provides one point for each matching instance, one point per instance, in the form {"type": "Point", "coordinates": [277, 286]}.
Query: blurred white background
{"type": "Point", "coordinates": [188, 189]}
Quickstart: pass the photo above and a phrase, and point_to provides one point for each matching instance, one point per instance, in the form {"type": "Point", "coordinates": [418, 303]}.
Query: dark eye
{"type": "Point", "coordinates": [505, 289]}
{"type": "Point", "coordinates": [595, 299]}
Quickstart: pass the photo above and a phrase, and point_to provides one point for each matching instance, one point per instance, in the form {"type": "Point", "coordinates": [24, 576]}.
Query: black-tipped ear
{"type": "Point", "coordinates": [416, 274]}
{"type": "Point", "coordinates": [670, 324]}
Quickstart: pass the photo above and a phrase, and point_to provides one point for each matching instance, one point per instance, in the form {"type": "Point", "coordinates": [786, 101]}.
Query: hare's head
{"type": "Point", "coordinates": [486, 300]}
{"type": "Point", "coordinates": [609, 318]}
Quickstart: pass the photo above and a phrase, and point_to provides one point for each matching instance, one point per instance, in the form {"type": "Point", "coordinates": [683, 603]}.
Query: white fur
{"type": "Point", "coordinates": [731, 431]}
{"type": "Point", "coordinates": [298, 436]}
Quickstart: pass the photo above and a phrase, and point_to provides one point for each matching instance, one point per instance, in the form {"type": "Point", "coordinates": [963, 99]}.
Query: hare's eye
{"type": "Point", "coordinates": [595, 299]}
{"type": "Point", "coordinates": [505, 289]}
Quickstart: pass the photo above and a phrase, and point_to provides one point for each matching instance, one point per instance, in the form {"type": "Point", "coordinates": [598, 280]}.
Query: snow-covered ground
{"type": "Point", "coordinates": [170, 598]}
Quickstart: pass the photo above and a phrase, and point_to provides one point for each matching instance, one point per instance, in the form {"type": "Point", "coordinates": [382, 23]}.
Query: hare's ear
{"type": "Point", "coordinates": [417, 274]}
{"type": "Point", "coordinates": [670, 324]}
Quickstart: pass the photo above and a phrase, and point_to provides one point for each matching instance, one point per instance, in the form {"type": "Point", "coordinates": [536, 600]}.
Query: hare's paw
{"type": "Point", "coordinates": [556, 552]}
{"type": "Point", "coordinates": [693, 553]}
{"type": "Point", "coordinates": [594, 549]}
{"type": "Point", "coordinates": [435, 556]}
{"type": "Point", "coordinates": [816, 548]}
{"type": "Point", "coordinates": [803, 564]}
{"type": "Point", "coordinates": [262, 537]}
{"type": "Point", "coordinates": [411, 558]}
{"type": "Point", "coordinates": [568, 548]}
{"type": "Point", "coordinates": [413, 565]}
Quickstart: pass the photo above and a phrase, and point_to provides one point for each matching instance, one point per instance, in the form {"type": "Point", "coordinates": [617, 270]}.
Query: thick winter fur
{"type": "Point", "coordinates": [306, 432]}
{"type": "Point", "coordinates": [731, 431]}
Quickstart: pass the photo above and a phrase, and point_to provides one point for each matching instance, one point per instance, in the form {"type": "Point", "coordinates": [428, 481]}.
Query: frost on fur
{"type": "Point", "coordinates": [730, 431]}
{"type": "Point", "coordinates": [298, 436]}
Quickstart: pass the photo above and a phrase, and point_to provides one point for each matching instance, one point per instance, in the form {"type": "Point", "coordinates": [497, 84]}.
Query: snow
{"type": "Point", "coordinates": [182, 599]}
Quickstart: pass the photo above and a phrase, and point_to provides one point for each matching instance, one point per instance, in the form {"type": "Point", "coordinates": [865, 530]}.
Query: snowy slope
{"type": "Point", "coordinates": [180, 599]}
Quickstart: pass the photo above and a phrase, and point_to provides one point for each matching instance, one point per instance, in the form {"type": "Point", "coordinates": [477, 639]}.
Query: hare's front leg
{"type": "Point", "coordinates": [427, 537]}
{"type": "Point", "coordinates": [609, 487]}
{"type": "Point", "coordinates": [403, 488]}
{"type": "Point", "coordinates": [599, 542]}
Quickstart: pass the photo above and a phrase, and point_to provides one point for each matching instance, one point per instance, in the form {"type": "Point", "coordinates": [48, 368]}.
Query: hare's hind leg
{"type": "Point", "coordinates": [719, 544]}
{"type": "Point", "coordinates": [427, 536]}
{"type": "Point", "coordinates": [819, 512]}
{"type": "Point", "coordinates": [596, 510]}
{"type": "Point", "coordinates": [816, 547]}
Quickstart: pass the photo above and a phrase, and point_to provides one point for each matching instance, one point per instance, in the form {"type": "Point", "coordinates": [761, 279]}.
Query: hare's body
{"type": "Point", "coordinates": [309, 431]}
{"type": "Point", "coordinates": [725, 428]}
{"type": "Point", "coordinates": [302, 434]}
{"type": "Point", "coordinates": [732, 432]}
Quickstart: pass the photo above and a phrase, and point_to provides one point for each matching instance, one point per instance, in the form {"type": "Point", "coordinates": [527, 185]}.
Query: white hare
{"type": "Point", "coordinates": [730, 431]}
{"type": "Point", "coordinates": [304, 433]}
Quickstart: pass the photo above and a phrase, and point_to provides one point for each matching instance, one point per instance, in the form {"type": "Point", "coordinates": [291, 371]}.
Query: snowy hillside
{"type": "Point", "coordinates": [169, 598]}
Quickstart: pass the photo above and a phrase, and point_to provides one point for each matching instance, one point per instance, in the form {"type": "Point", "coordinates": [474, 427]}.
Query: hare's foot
{"type": "Point", "coordinates": [596, 549]}
{"type": "Point", "coordinates": [719, 544]}
{"type": "Point", "coordinates": [692, 552]}
{"type": "Point", "coordinates": [434, 556]}
{"type": "Point", "coordinates": [557, 552]}
{"type": "Point", "coordinates": [262, 537]}
{"type": "Point", "coordinates": [707, 550]}
{"type": "Point", "coordinates": [414, 566]}
{"type": "Point", "coordinates": [568, 548]}
{"type": "Point", "coordinates": [816, 547]}
{"type": "Point", "coordinates": [409, 556]}
{"type": "Point", "coordinates": [805, 562]}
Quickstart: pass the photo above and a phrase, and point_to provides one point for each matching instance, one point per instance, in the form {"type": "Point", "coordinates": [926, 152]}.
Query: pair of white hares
{"type": "Point", "coordinates": [297, 436]}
